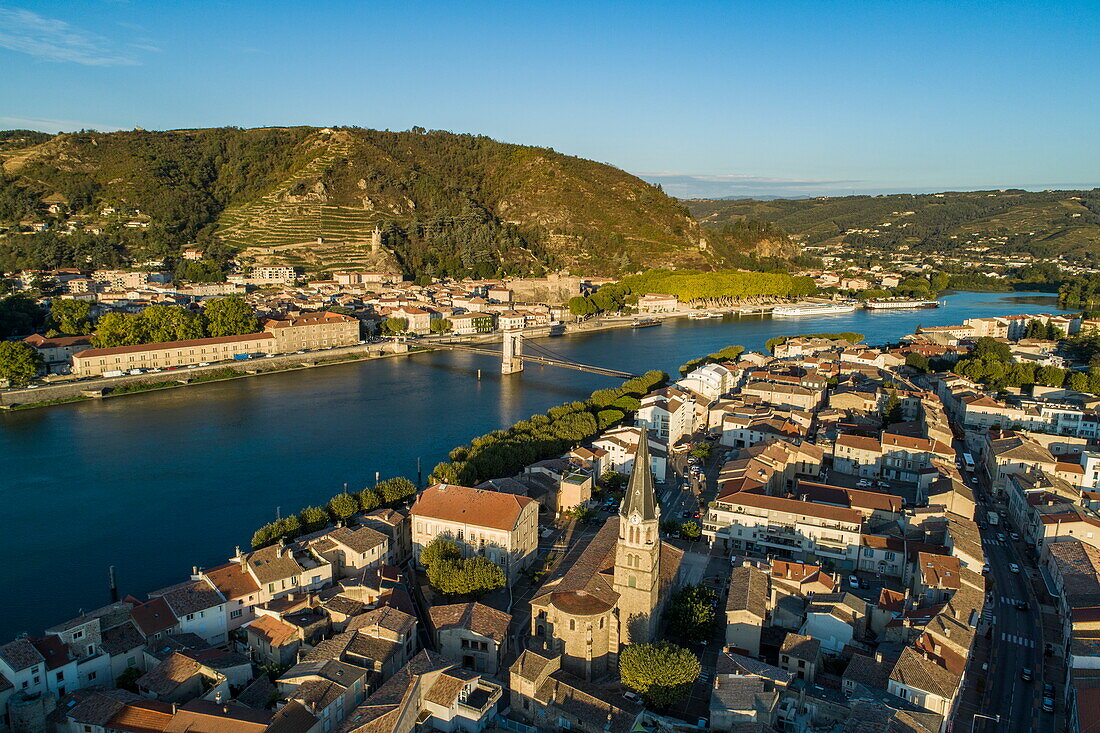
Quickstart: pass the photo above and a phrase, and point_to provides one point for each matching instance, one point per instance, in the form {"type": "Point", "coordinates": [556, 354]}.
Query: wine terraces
{"type": "Point", "coordinates": [293, 224]}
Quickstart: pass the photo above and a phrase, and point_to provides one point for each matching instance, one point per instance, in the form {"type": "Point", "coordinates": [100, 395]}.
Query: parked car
{"type": "Point", "coordinates": [1013, 567]}
{"type": "Point", "coordinates": [985, 569]}
{"type": "Point", "coordinates": [1014, 535]}
{"type": "Point", "coordinates": [864, 482]}
{"type": "Point", "coordinates": [853, 581]}
{"type": "Point", "coordinates": [1026, 674]}
{"type": "Point", "coordinates": [1021, 605]}
{"type": "Point", "coordinates": [1001, 537]}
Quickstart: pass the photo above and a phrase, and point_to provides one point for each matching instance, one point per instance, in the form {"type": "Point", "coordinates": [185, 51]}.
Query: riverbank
{"type": "Point", "coordinates": [108, 387]}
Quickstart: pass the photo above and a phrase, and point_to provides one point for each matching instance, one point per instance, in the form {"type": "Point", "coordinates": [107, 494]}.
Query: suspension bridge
{"type": "Point", "coordinates": [515, 351]}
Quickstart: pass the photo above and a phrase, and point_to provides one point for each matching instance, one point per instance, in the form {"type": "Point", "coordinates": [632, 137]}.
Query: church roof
{"type": "Point", "coordinates": [640, 495]}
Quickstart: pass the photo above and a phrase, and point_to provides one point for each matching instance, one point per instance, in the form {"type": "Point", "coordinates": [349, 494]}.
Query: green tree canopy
{"type": "Point", "coordinates": [662, 673]}
{"type": "Point", "coordinates": [692, 614]}
{"type": "Point", "coordinates": [19, 363]}
{"type": "Point", "coordinates": [230, 316]}
{"type": "Point", "coordinates": [71, 317]}
{"type": "Point", "coordinates": [394, 326]}
{"type": "Point", "coordinates": [343, 506]}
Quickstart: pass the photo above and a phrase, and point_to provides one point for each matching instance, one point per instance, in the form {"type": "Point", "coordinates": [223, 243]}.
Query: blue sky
{"type": "Point", "coordinates": [708, 98]}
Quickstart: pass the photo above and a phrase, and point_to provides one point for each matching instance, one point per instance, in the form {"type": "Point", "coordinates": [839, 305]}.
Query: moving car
{"type": "Point", "coordinates": [1026, 674]}
{"type": "Point", "coordinates": [1021, 605]}
{"type": "Point", "coordinates": [1013, 567]}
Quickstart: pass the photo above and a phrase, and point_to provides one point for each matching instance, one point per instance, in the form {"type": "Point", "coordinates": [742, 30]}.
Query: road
{"type": "Point", "coordinates": [1016, 639]}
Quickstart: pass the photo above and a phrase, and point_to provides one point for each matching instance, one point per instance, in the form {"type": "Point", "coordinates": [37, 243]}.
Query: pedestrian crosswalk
{"type": "Point", "coordinates": [1009, 601]}
{"type": "Point", "coordinates": [1016, 639]}
{"type": "Point", "coordinates": [992, 541]}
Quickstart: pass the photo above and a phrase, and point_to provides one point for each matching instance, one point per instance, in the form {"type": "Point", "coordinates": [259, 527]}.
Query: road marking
{"type": "Point", "coordinates": [1015, 639]}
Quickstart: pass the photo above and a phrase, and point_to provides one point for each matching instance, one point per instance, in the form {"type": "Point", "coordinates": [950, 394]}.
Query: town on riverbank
{"type": "Point", "coordinates": [825, 532]}
{"type": "Point", "coordinates": [108, 333]}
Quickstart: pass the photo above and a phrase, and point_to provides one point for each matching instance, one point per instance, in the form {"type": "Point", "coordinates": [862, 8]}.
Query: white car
{"type": "Point", "coordinates": [863, 482]}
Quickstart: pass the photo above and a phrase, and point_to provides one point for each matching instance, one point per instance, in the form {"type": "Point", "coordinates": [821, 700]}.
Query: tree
{"type": "Point", "coordinates": [691, 613]}
{"type": "Point", "coordinates": [613, 481]}
{"type": "Point", "coordinates": [117, 329]}
{"type": "Point", "coordinates": [691, 530]}
{"type": "Point", "coordinates": [480, 575]}
{"type": "Point", "coordinates": [440, 325]}
{"type": "Point", "coordinates": [368, 500]}
{"type": "Point", "coordinates": [395, 489]}
{"type": "Point", "coordinates": [19, 363]}
{"type": "Point", "coordinates": [662, 673]}
{"type": "Point", "coordinates": [1078, 382]}
{"type": "Point", "coordinates": [917, 361]}
{"type": "Point", "coordinates": [128, 679]}
{"type": "Point", "coordinates": [343, 506]}
{"type": "Point", "coordinates": [264, 536]}
{"type": "Point", "coordinates": [394, 326]}
{"type": "Point", "coordinates": [441, 548]}
{"type": "Point", "coordinates": [71, 317]}
{"type": "Point", "coordinates": [891, 411]}
{"type": "Point", "coordinates": [313, 518]}
{"type": "Point", "coordinates": [161, 323]}
{"type": "Point", "coordinates": [230, 316]}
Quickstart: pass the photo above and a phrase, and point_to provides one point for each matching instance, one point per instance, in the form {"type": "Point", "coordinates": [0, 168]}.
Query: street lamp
{"type": "Point", "coordinates": [994, 718]}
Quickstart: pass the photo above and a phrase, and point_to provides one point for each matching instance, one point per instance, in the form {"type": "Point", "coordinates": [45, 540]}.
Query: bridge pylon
{"type": "Point", "coordinates": [511, 360]}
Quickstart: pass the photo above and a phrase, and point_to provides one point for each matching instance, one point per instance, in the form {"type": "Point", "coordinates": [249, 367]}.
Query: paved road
{"type": "Point", "coordinates": [1016, 642]}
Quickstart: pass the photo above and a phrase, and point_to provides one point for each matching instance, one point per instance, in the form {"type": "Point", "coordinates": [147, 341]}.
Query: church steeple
{"type": "Point", "coordinates": [641, 497]}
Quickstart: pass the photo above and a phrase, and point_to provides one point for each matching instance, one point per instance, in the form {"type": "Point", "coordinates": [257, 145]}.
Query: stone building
{"type": "Point", "coordinates": [612, 594]}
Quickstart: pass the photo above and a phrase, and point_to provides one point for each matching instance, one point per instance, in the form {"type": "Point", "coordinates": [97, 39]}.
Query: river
{"type": "Point", "coordinates": [157, 482]}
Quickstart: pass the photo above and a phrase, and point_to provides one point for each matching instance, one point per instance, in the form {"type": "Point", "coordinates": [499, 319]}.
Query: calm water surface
{"type": "Point", "coordinates": [156, 483]}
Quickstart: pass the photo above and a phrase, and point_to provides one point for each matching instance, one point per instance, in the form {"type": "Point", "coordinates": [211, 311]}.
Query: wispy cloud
{"type": "Point", "coordinates": [47, 125]}
{"type": "Point", "coordinates": [53, 39]}
{"type": "Point", "coordinates": [692, 185]}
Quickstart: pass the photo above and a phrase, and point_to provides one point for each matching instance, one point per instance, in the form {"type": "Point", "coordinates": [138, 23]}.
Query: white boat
{"type": "Point", "coordinates": [813, 309]}
{"type": "Point", "coordinates": [884, 304]}
{"type": "Point", "coordinates": [698, 316]}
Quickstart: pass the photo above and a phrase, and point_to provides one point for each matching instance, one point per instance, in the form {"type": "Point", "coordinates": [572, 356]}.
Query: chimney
{"type": "Point", "coordinates": [218, 697]}
{"type": "Point", "coordinates": [237, 552]}
{"type": "Point", "coordinates": [175, 708]}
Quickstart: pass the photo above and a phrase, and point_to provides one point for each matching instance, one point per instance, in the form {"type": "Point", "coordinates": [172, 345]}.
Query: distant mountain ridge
{"type": "Point", "coordinates": [1043, 224]}
{"type": "Point", "coordinates": [447, 204]}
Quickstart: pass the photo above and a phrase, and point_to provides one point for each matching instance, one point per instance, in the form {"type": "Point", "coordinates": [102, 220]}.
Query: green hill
{"type": "Point", "coordinates": [1043, 224]}
{"type": "Point", "coordinates": [447, 204]}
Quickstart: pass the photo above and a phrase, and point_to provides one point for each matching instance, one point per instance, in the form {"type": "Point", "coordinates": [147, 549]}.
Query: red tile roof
{"type": "Point", "coordinates": [478, 507]}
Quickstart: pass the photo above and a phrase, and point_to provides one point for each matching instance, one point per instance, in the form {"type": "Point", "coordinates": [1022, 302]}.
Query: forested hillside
{"type": "Point", "coordinates": [1043, 224]}
{"type": "Point", "coordinates": [447, 204]}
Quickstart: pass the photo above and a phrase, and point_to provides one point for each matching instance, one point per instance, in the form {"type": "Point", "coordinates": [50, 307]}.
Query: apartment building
{"type": "Point", "coordinates": [273, 275]}
{"type": "Point", "coordinates": [669, 413]}
{"type": "Point", "coordinates": [758, 524]}
{"type": "Point", "coordinates": [319, 330]}
{"type": "Point", "coordinates": [785, 396]}
{"type": "Point", "coordinates": [94, 362]}
{"type": "Point", "coordinates": [502, 527]}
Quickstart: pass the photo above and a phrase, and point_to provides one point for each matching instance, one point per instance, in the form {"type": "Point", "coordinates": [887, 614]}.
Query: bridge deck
{"type": "Point", "coordinates": [536, 359]}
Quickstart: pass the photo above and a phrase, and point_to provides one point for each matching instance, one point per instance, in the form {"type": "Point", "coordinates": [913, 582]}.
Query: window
{"type": "Point", "coordinates": [572, 625]}
{"type": "Point", "coordinates": [60, 675]}
{"type": "Point", "coordinates": [236, 613]}
{"type": "Point", "coordinates": [78, 635]}
{"type": "Point", "coordinates": [91, 676]}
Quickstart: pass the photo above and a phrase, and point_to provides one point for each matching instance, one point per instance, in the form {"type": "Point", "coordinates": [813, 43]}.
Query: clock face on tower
{"type": "Point", "coordinates": [634, 519]}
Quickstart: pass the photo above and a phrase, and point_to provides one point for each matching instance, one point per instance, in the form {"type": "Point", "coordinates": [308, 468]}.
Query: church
{"type": "Point", "coordinates": [611, 591]}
